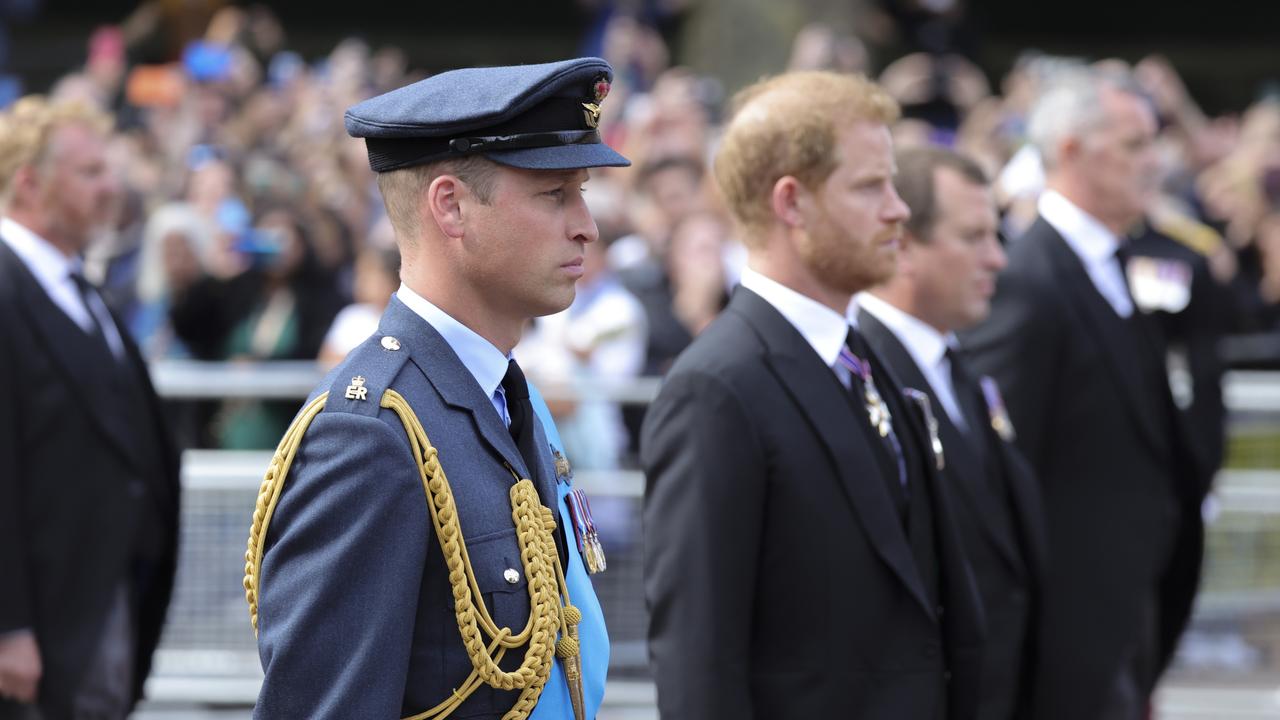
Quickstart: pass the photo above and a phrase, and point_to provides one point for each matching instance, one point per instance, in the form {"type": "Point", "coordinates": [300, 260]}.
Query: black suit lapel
{"type": "Point", "coordinates": [822, 399]}
{"type": "Point", "coordinates": [962, 463]}
{"type": "Point", "coordinates": [69, 347]}
{"type": "Point", "coordinates": [1117, 341]}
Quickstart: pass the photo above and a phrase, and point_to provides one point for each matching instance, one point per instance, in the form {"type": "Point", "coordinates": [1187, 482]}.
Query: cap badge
{"type": "Point", "coordinates": [592, 109]}
{"type": "Point", "coordinates": [591, 114]}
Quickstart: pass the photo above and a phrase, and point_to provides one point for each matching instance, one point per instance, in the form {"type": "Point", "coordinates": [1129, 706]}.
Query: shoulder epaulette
{"type": "Point", "coordinates": [366, 373]}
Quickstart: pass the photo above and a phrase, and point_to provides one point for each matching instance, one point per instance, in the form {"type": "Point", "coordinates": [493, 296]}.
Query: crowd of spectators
{"type": "Point", "coordinates": [248, 219]}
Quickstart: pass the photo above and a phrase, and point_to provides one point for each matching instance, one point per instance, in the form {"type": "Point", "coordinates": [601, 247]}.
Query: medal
{"type": "Point", "coordinates": [584, 530]}
{"type": "Point", "coordinates": [1000, 421]}
{"type": "Point", "coordinates": [931, 423]}
{"type": "Point", "coordinates": [877, 410]}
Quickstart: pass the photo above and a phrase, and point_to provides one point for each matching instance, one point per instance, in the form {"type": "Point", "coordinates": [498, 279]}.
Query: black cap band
{"type": "Point", "coordinates": [558, 121]}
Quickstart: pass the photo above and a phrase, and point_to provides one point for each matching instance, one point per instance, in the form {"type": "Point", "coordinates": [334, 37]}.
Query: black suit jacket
{"type": "Point", "coordinates": [779, 578]}
{"type": "Point", "coordinates": [88, 488]}
{"type": "Point", "coordinates": [1000, 515]}
{"type": "Point", "coordinates": [1091, 407]}
{"type": "Point", "coordinates": [1193, 334]}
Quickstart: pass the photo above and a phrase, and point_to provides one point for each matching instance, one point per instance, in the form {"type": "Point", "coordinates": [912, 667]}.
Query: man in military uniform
{"type": "Point", "coordinates": [946, 276]}
{"type": "Point", "coordinates": [417, 549]}
{"type": "Point", "coordinates": [802, 560]}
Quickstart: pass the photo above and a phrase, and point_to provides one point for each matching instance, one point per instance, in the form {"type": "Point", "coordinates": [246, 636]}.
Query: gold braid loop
{"type": "Point", "coordinates": [535, 525]}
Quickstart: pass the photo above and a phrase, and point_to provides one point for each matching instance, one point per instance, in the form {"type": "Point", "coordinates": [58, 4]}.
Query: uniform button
{"type": "Point", "coordinates": [930, 651]}
{"type": "Point", "coordinates": [941, 610]}
{"type": "Point", "coordinates": [136, 489]}
{"type": "Point", "coordinates": [390, 343]}
{"type": "Point", "coordinates": [1018, 597]}
{"type": "Point", "coordinates": [946, 675]}
{"type": "Point", "coordinates": [511, 576]}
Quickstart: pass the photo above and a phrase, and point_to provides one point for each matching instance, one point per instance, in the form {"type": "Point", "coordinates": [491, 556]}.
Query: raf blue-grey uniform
{"type": "Point", "coordinates": [355, 610]}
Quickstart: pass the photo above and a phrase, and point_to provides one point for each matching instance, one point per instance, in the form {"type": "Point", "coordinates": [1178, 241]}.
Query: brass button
{"type": "Point", "coordinates": [511, 576]}
{"type": "Point", "coordinates": [390, 343]}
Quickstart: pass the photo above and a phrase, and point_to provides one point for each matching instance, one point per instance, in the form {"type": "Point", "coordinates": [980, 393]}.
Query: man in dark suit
{"type": "Point", "coordinates": [88, 477]}
{"type": "Point", "coordinates": [1085, 382]}
{"type": "Point", "coordinates": [801, 556]}
{"type": "Point", "coordinates": [946, 276]}
{"type": "Point", "coordinates": [425, 552]}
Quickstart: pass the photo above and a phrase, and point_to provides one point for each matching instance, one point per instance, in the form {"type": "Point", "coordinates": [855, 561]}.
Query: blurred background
{"type": "Point", "coordinates": [250, 249]}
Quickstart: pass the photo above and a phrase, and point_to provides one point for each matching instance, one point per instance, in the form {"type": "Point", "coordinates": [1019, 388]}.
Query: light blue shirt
{"type": "Point", "coordinates": [488, 365]}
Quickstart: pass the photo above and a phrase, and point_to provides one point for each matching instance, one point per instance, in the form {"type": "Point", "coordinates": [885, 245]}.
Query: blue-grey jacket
{"type": "Point", "coordinates": [355, 612]}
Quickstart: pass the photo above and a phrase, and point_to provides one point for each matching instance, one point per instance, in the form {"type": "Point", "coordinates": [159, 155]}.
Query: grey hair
{"type": "Point", "coordinates": [1070, 105]}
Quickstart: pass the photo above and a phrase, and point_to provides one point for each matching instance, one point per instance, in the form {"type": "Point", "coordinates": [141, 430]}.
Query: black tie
{"type": "Point", "coordinates": [516, 391]}
{"type": "Point", "coordinates": [87, 294]}
{"type": "Point", "coordinates": [969, 399]}
{"type": "Point", "coordinates": [966, 391]}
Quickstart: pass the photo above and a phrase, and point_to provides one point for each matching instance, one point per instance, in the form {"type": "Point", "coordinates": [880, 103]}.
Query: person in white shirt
{"type": "Point", "coordinates": [946, 276]}
{"type": "Point", "coordinates": [1088, 396]}
{"type": "Point", "coordinates": [802, 559]}
{"type": "Point", "coordinates": [88, 473]}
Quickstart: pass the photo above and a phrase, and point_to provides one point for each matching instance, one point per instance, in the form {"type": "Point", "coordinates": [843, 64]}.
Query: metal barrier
{"type": "Point", "coordinates": [208, 653]}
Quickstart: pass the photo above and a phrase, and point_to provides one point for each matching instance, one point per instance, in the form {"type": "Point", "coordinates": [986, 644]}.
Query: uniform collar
{"type": "Point", "coordinates": [823, 328]}
{"type": "Point", "coordinates": [486, 363]}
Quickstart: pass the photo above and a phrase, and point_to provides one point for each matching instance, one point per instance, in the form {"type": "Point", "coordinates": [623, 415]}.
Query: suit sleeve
{"type": "Point", "coordinates": [703, 514]}
{"type": "Point", "coordinates": [340, 579]}
{"type": "Point", "coordinates": [15, 600]}
{"type": "Point", "coordinates": [1018, 346]}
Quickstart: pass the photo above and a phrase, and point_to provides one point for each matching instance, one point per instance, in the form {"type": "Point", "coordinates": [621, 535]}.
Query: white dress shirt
{"type": "Point", "coordinates": [53, 271]}
{"type": "Point", "coordinates": [486, 363]}
{"type": "Point", "coordinates": [1093, 243]}
{"type": "Point", "coordinates": [823, 328]}
{"type": "Point", "coordinates": [927, 347]}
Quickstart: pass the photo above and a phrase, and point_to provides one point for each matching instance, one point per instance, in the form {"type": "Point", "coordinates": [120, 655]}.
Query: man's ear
{"type": "Point", "coordinates": [443, 204]}
{"type": "Point", "coordinates": [789, 200]}
{"type": "Point", "coordinates": [26, 182]}
{"type": "Point", "coordinates": [1070, 148]}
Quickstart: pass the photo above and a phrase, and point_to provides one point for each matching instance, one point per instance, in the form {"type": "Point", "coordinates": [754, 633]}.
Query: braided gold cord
{"type": "Point", "coordinates": [268, 496]}
{"type": "Point", "coordinates": [534, 525]}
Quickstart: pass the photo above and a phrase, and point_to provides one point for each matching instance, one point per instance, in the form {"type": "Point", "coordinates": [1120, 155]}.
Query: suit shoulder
{"type": "Point", "coordinates": [727, 348]}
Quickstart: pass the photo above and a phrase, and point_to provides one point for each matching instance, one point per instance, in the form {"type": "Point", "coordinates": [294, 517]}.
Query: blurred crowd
{"type": "Point", "coordinates": [249, 226]}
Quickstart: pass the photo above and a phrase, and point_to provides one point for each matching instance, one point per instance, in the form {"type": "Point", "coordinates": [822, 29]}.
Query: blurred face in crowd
{"type": "Point", "coordinates": [1118, 161]}
{"type": "Point", "coordinates": [280, 229]}
{"type": "Point", "coordinates": [74, 191]}
{"type": "Point", "coordinates": [853, 220]}
{"type": "Point", "coordinates": [954, 269]}
{"type": "Point", "coordinates": [374, 281]}
{"type": "Point", "coordinates": [676, 194]}
{"type": "Point", "coordinates": [697, 253]}
{"type": "Point", "coordinates": [523, 250]}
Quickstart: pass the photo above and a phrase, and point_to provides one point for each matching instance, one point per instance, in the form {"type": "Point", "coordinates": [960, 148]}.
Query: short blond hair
{"type": "Point", "coordinates": [787, 125]}
{"type": "Point", "coordinates": [27, 129]}
{"type": "Point", "coordinates": [402, 189]}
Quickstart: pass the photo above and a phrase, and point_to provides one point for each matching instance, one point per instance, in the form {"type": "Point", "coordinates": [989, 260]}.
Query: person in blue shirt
{"type": "Point", "coordinates": [417, 550]}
